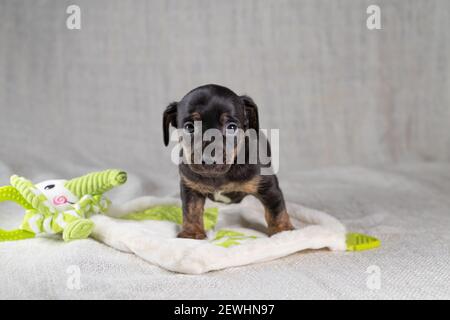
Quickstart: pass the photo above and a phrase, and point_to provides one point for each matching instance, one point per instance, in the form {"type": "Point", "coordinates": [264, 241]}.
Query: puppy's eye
{"type": "Point", "coordinates": [50, 186]}
{"type": "Point", "coordinates": [231, 128]}
{"type": "Point", "coordinates": [189, 127]}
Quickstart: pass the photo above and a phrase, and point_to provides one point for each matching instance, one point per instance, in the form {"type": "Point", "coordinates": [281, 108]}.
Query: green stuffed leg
{"type": "Point", "coordinates": [96, 183]}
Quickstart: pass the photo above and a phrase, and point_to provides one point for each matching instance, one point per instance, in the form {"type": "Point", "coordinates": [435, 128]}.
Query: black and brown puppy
{"type": "Point", "coordinates": [220, 108]}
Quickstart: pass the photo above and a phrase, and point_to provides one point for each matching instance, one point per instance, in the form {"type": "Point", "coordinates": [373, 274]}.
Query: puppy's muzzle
{"type": "Point", "coordinates": [211, 161]}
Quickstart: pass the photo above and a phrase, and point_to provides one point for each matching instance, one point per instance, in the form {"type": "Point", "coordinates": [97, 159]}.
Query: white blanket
{"type": "Point", "coordinates": [156, 242]}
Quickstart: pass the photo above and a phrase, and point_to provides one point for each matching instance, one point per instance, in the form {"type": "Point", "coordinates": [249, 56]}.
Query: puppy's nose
{"type": "Point", "coordinates": [204, 162]}
{"type": "Point", "coordinates": [212, 162]}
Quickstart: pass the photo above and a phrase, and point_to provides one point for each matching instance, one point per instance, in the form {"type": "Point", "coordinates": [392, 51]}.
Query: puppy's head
{"type": "Point", "coordinates": [205, 116]}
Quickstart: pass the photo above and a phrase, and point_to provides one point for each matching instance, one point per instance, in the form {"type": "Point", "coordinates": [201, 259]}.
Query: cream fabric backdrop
{"type": "Point", "coordinates": [340, 94]}
{"type": "Point", "coordinates": [76, 101]}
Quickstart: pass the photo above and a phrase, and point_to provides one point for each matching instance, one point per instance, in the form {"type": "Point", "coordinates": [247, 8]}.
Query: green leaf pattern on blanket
{"type": "Point", "coordinates": [228, 238]}
{"type": "Point", "coordinates": [224, 238]}
{"type": "Point", "coordinates": [174, 214]}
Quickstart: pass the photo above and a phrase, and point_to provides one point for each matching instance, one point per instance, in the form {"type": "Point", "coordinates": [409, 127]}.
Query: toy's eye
{"type": "Point", "coordinates": [189, 127]}
{"type": "Point", "coordinates": [50, 186]}
{"type": "Point", "coordinates": [231, 128]}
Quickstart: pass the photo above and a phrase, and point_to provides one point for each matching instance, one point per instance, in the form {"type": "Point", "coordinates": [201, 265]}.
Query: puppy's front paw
{"type": "Point", "coordinates": [280, 228]}
{"type": "Point", "coordinates": [189, 234]}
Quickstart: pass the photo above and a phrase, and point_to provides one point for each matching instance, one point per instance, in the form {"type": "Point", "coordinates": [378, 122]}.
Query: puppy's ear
{"type": "Point", "coordinates": [251, 112]}
{"type": "Point", "coordinates": [169, 118]}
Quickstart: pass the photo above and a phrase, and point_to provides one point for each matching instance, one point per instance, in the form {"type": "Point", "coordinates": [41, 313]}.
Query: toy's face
{"type": "Point", "coordinates": [57, 194]}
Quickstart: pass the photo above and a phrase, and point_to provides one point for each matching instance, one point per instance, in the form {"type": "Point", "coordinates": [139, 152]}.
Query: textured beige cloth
{"type": "Point", "coordinates": [77, 101]}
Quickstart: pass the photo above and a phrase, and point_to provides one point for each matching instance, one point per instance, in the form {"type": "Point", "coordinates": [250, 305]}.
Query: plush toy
{"type": "Point", "coordinates": [60, 206]}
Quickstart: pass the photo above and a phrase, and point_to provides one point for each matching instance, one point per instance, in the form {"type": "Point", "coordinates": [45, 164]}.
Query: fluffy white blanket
{"type": "Point", "coordinates": [234, 241]}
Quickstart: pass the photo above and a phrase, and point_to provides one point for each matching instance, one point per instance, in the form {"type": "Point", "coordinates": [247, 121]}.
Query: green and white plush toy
{"type": "Point", "coordinates": [60, 206]}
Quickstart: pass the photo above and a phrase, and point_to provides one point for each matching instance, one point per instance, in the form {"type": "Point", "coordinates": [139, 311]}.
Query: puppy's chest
{"type": "Point", "coordinates": [230, 192]}
{"type": "Point", "coordinates": [230, 197]}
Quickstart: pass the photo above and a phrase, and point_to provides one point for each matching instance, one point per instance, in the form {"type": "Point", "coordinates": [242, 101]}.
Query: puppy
{"type": "Point", "coordinates": [227, 181]}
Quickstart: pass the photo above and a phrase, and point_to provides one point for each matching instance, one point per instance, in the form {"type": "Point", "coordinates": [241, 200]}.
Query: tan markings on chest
{"type": "Point", "coordinates": [250, 186]}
